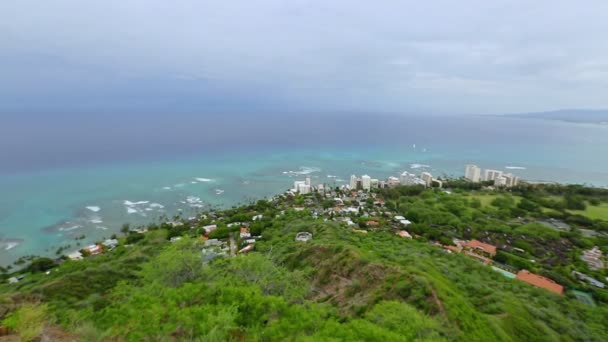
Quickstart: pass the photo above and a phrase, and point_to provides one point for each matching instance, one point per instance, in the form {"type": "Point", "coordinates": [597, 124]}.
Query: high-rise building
{"type": "Point", "coordinates": [353, 182]}
{"type": "Point", "coordinates": [304, 189]}
{"type": "Point", "coordinates": [472, 173]}
{"type": "Point", "coordinates": [427, 177]}
{"type": "Point", "coordinates": [500, 181]}
{"type": "Point", "coordinates": [374, 183]}
{"type": "Point", "coordinates": [366, 182]}
{"type": "Point", "coordinates": [407, 178]}
{"type": "Point", "coordinates": [392, 182]}
{"type": "Point", "coordinates": [490, 175]}
{"type": "Point", "coordinates": [511, 179]}
{"type": "Point", "coordinates": [308, 182]}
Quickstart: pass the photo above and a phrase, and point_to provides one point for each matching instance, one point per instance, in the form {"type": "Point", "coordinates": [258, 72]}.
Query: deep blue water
{"type": "Point", "coordinates": [53, 168]}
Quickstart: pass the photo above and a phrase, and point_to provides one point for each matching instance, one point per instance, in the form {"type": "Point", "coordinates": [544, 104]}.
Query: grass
{"type": "Point", "coordinates": [594, 212]}
{"type": "Point", "coordinates": [486, 199]}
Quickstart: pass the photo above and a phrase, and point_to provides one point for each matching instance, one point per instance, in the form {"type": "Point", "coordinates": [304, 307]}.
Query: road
{"type": "Point", "coordinates": [232, 246]}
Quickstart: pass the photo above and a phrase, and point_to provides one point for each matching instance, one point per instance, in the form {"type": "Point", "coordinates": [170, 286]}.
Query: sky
{"type": "Point", "coordinates": [449, 57]}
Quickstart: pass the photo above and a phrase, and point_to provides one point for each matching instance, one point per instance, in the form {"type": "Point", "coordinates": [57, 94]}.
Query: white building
{"type": "Point", "coordinates": [366, 182]}
{"type": "Point", "coordinates": [353, 182]}
{"type": "Point", "coordinates": [308, 182]}
{"type": "Point", "coordinates": [490, 175]}
{"type": "Point", "coordinates": [500, 181]}
{"type": "Point", "coordinates": [407, 178]}
{"type": "Point", "coordinates": [375, 183]}
{"type": "Point", "coordinates": [511, 179]}
{"type": "Point", "coordinates": [303, 187]}
{"type": "Point", "coordinates": [392, 181]}
{"type": "Point", "coordinates": [472, 173]}
{"type": "Point", "coordinates": [427, 177]}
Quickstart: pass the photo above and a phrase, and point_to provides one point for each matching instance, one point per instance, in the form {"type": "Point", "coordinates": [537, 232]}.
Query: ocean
{"type": "Point", "coordinates": [61, 180]}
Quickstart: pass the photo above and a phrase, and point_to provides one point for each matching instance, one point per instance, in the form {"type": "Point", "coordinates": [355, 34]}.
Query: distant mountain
{"type": "Point", "coordinates": [599, 116]}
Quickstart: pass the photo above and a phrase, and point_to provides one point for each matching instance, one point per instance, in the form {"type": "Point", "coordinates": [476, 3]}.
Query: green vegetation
{"type": "Point", "coordinates": [594, 212]}
{"type": "Point", "coordinates": [340, 286]}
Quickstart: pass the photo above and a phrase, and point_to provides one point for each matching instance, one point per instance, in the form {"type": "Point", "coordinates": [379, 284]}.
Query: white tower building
{"type": "Point", "coordinates": [472, 173]}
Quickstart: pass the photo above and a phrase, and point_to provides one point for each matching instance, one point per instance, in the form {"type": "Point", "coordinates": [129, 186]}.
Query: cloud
{"type": "Point", "coordinates": [478, 57]}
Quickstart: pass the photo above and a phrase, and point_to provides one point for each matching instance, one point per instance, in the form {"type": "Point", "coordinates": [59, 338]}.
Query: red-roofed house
{"type": "Point", "coordinates": [478, 246]}
{"type": "Point", "coordinates": [372, 224]}
{"type": "Point", "coordinates": [540, 281]}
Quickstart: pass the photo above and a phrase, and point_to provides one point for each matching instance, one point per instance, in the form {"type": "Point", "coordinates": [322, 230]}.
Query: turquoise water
{"type": "Point", "coordinates": [41, 210]}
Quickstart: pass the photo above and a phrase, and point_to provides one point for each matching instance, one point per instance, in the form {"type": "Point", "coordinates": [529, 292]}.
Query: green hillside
{"type": "Point", "coordinates": [345, 284]}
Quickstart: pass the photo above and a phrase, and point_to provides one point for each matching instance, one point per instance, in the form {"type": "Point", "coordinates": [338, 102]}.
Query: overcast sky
{"type": "Point", "coordinates": [476, 57]}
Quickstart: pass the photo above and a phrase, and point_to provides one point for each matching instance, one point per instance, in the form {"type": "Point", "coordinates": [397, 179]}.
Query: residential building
{"type": "Point", "coordinates": [247, 249]}
{"type": "Point", "coordinates": [245, 233]}
{"type": "Point", "coordinates": [404, 234]}
{"type": "Point", "coordinates": [427, 177]}
{"type": "Point", "coordinates": [304, 189]}
{"type": "Point", "coordinates": [374, 183]}
{"type": "Point", "coordinates": [208, 229]}
{"type": "Point", "coordinates": [110, 243]}
{"type": "Point", "coordinates": [75, 255]}
{"type": "Point", "coordinates": [510, 179]}
{"type": "Point", "coordinates": [589, 279]}
{"type": "Point", "coordinates": [308, 182]}
{"type": "Point", "coordinates": [392, 182]}
{"type": "Point", "coordinates": [407, 178]}
{"type": "Point", "coordinates": [490, 175]}
{"type": "Point", "coordinates": [593, 258]}
{"type": "Point", "coordinates": [478, 246]}
{"type": "Point", "coordinates": [540, 281]}
{"type": "Point", "coordinates": [353, 182]}
{"type": "Point", "coordinates": [472, 173]}
{"type": "Point", "coordinates": [366, 182]}
{"type": "Point", "coordinates": [94, 249]}
{"type": "Point", "coordinates": [303, 236]}
{"type": "Point", "coordinates": [500, 181]}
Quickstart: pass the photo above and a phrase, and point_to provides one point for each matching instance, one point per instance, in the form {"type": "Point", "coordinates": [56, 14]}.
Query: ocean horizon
{"type": "Point", "coordinates": [55, 191]}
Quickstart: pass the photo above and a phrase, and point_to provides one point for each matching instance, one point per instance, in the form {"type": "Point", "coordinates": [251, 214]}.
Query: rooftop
{"type": "Point", "coordinates": [540, 281]}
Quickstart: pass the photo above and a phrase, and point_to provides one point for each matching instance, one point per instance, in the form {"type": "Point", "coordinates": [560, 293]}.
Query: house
{"type": "Point", "coordinates": [372, 224]}
{"type": "Point", "coordinates": [303, 236]}
{"type": "Point", "coordinates": [75, 256]}
{"type": "Point", "coordinates": [399, 218]}
{"type": "Point", "coordinates": [208, 229]}
{"type": "Point", "coordinates": [481, 258]}
{"type": "Point", "coordinates": [258, 217]}
{"type": "Point", "coordinates": [405, 222]}
{"type": "Point", "coordinates": [589, 279]}
{"type": "Point", "coordinates": [539, 281]}
{"type": "Point", "coordinates": [247, 249]}
{"type": "Point", "coordinates": [593, 258]}
{"type": "Point", "coordinates": [404, 234]}
{"type": "Point", "coordinates": [245, 233]}
{"type": "Point", "coordinates": [110, 244]}
{"type": "Point", "coordinates": [94, 249]}
{"type": "Point", "coordinates": [213, 242]}
{"type": "Point", "coordinates": [13, 280]}
{"type": "Point", "coordinates": [479, 246]}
